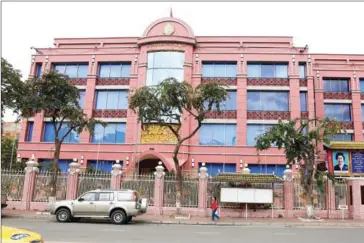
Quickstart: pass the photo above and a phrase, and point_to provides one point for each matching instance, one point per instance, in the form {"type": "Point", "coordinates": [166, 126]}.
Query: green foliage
{"type": "Point", "coordinates": [92, 170]}
{"type": "Point", "coordinates": [11, 86]}
{"type": "Point", "coordinates": [9, 148]}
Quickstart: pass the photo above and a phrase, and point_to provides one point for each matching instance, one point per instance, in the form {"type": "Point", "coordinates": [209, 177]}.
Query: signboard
{"type": "Point", "coordinates": [357, 162]}
{"type": "Point", "coordinates": [246, 195]}
{"type": "Point", "coordinates": [341, 162]}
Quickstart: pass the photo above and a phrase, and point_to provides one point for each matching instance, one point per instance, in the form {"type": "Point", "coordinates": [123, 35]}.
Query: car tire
{"type": "Point", "coordinates": [118, 217]}
{"type": "Point", "coordinates": [128, 219]}
{"type": "Point", "coordinates": [63, 215]}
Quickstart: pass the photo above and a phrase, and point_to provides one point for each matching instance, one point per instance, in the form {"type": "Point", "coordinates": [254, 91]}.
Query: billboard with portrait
{"type": "Point", "coordinates": [341, 161]}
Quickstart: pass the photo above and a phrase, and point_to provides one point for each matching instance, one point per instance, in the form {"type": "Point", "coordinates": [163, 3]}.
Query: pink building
{"type": "Point", "coordinates": [268, 78]}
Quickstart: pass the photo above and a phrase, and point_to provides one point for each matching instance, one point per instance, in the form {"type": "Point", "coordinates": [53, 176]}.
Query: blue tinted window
{"type": "Point", "coordinates": [30, 131]}
{"type": "Point", "coordinates": [81, 100]}
{"type": "Point", "coordinates": [38, 70]}
{"type": "Point", "coordinates": [111, 99]}
{"type": "Point", "coordinates": [111, 133]}
{"type": "Point", "coordinates": [218, 168]}
{"type": "Point", "coordinates": [101, 165]}
{"type": "Point", "coordinates": [72, 70]}
{"type": "Point", "coordinates": [362, 113]}
{"type": "Point", "coordinates": [49, 133]}
{"type": "Point", "coordinates": [340, 137]}
{"type": "Point", "coordinates": [114, 70]}
{"type": "Point", "coordinates": [219, 70]}
{"type": "Point", "coordinates": [268, 101]}
{"type": "Point", "coordinates": [254, 131]}
{"type": "Point", "coordinates": [46, 164]}
{"type": "Point", "coordinates": [218, 134]}
{"type": "Point", "coordinates": [267, 70]}
{"type": "Point", "coordinates": [302, 70]}
{"type": "Point", "coordinates": [303, 101]}
{"type": "Point", "coordinates": [277, 170]}
{"type": "Point", "coordinates": [336, 85]}
{"type": "Point", "coordinates": [340, 112]}
{"type": "Point", "coordinates": [362, 85]}
{"type": "Point", "coordinates": [229, 104]}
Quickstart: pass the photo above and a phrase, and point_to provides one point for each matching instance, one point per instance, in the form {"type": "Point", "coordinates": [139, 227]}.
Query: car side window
{"type": "Point", "coordinates": [91, 196]}
{"type": "Point", "coordinates": [106, 196]}
{"type": "Point", "coordinates": [125, 196]}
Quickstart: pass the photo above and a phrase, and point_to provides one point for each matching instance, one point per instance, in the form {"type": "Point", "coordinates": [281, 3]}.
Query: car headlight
{"type": "Point", "coordinates": [19, 236]}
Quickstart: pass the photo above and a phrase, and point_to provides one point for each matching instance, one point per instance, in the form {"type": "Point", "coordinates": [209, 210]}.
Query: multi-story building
{"type": "Point", "coordinates": [11, 129]}
{"type": "Point", "coordinates": [268, 79]}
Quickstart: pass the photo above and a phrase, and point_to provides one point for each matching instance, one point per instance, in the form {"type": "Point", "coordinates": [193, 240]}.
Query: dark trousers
{"type": "Point", "coordinates": [214, 215]}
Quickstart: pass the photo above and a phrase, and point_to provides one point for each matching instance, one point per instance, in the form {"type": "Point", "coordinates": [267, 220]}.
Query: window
{"type": "Point", "coordinates": [340, 112]}
{"type": "Point", "coordinates": [268, 101]}
{"type": "Point", "coordinates": [72, 70]}
{"type": "Point", "coordinates": [125, 196]}
{"type": "Point", "coordinates": [362, 113]}
{"type": "Point", "coordinates": [163, 65]}
{"type": "Point", "coordinates": [112, 133]}
{"type": "Point", "coordinates": [218, 134]}
{"type": "Point", "coordinates": [254, 131]}
{"type": "Point", "coordinates": [101, 165]}
{"type": "Point", "coordinates": [114, 70]}
{"type": "Point", "coordinates": [257, 70]}
{"type": "Point", "coordinates": [81, 100]}
{"type": "Point", "coordinates": [90, 196]}
{"type": "Point", "coordinates": [30, 131]}
{"type": "Point", "coordinates": [361, 85]}
{"type": "Point", "coordinates": [46, 164]}
{"type": "Point", "coordinates": [302, 70]}
{"type": "Point", "coordinates": [111, 99]}
{"type": "Point", "coordinates": [340, 137]}
{"type": "Point", "coordinates": [277, 169]}
{"type": "Point", "coordinates": [49, 133]}
{"type": "Point", "coordinates": [106, 196]}
{"type": "Point", "coordinates": [229, 104]}
{"type": "Point", "coordinates": [303, 101]}
{"type": "Point", "coordinates": [217, 168]}
{"type": "Point", "coordinates": [219, 69]}
{"type": "Point", "coordinates": [336, 85]}
{"type": "Point", "coordinates": [38, 70]}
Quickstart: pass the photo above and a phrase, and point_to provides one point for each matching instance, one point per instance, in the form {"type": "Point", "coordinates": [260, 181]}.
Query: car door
{"type": "Point", "coordinates": [104, 203]}
{"type": "Point", "coordinates": [85, 205]}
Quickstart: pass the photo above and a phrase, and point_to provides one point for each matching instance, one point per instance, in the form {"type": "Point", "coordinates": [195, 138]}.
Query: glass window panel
{"type": "Point", "coordinates": [125, 70]}
{"type": "Point", "coordinates": [205, 134]}
{"type": "Point", "coordinates": [220, 70]}
{"type": "Point", "coordinates": [254, 131]}
{"type": "Point", "coordinates": [150, 75]}
{"type": "Point", "coordinates": [30, 131]}
{"type": "Point", "coordinates": [336, 85]}
{"type": "Point", "coordinates": [175, 60]}
{"type": "Point", "coordinates": [254, 101]}
{"type": "Point", "coordinates": [115, 70]}
{"type": "Point", "coordinates": [123, 100]}
{"type": "Point", "coordinates": [362, 113]}
{"type": "Point", "coordinates": [151, 60]}
{"type": "Point", "coordinates": [109, 133]}
{"type": "Point", "coordinates": [62, 132]}
{"type": "Point", "coordinates": [230, 103]}
{"type": "Point", "coordinates": [101, 99]}
{"type": "Point", "coordinates": [254, 70]}
{"type": "Point", "coordinates": [74, 137]}
{"type": "Point", "coordinates": [362, 85]}
{"type": "Point", "coordinates": [60, 68]}
{"type": "Point", "coordinates": [98, 133]}
{"type": "Point", "coordinates": [38, 70]}
{"type": "Point", "coordinates": [104, 70]}
{"type": "Point", "coordinates": [49, 134]}
{"type": "Point", "coordinates": [339, 112]}
{"type": "Point", "coordinates": [281, 71]}
{"type": "Point", "coordinates": [268, 101]}
{"type": "Point", "coordinates": [160, 60]}
{"type": "Point", "coordinates": [302, 70]}
{"type": "Point", "coordinates": [81, 100]}
{"type": "Point", "coordinates": [120, 133]}
{"type": "Point", "coordinates": [340, 137]}
{"type": "Point", "coordinates": [344, 86]}
{"type": "Point", "coordinates": [230, 137]}
{"type": "Point", "coordinates": [82, 71]}
{"type": "Point", "coordinates": [218, 134]}
{"type": "Point", "coordinates": [231, 70]}
{"type": "Point", "coordinates": [71, 70]}
{"type": "Point", "coordinates": [303, 101]}
{"type": "Point", "coordinates": [267, 70]}
{"type": "Point", "coordinates": [208, 70]}
{"type": "Point", "coordinates": [112, 100]}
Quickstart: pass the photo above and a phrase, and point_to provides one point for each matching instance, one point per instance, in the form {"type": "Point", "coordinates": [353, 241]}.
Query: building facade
{"type": "Point", "coordinates": [11, 129]}
{"type": "Point", "coordinates": [268, 79]}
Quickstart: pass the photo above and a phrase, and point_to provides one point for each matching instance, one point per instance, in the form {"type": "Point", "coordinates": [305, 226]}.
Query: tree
{"type": "Point", "coordinates": [11, 86]}
{"type": "Point", "coordinates": [300, 144]}
{"type": "Point", "coordinates": [9, 147]}
{"type": "Point", "coordinates": [59, 100]}
{"type": "Point", "coordinates": [164, 104]}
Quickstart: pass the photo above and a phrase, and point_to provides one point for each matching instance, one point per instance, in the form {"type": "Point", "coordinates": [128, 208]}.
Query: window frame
{"type": "Point", "coordinates": [30, 127]}
{"type": "Point", "coordinates": [224, 139]}
{"type": "Point", "coordinates": [334, 107]}
{"type": "Point", "coordinates": [261, 103]}
{"type": "Point", "coordinates": [109, 64]}
{"type": "Point", "coordinates": [214, 63]}
{"type": "Point", "coordinates": [303, 93]}
{"type": "Point", "coordinates": [339, 80]}
{"type": "Point", "coordinates": [69, 136]}
{"type": "Point", "coordinates": [71, 64]}
{"type": "Point", "coordinates": [304, 66]}
{"type": "Point", "coordinates": [107, 97]}
{"type": "Point", "coordinates": [274, 64]}
{"type": "Point", "coordinates": [93, 139]}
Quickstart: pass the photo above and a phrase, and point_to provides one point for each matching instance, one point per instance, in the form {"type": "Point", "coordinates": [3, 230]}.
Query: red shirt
{"type": "Point", "coordinates": [214, 205]}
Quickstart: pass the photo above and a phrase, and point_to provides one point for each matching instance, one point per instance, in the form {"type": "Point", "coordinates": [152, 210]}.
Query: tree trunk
{"type": "Point", "coordinates": [309, 188]}
{"type": "Point", "coordinates": [54, 169]}
{"type": "Point", "coordinates": [179, 185]}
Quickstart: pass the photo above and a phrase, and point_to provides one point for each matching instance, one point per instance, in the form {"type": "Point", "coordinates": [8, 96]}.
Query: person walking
{"type": "Point", "coordinates": [214, 207]}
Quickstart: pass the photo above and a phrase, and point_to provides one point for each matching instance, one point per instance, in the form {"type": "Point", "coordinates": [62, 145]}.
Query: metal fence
{"type": "Point", "coordinates": [12, 184]}
{"type": "Point", "coordinates": [189, 196]}
{"type": "Point", "coordinates": [93, 181]}
{"type": "Point", "coordinates": [341, 194]}
{"type": "Point", "coordinates": [43, 187]}
{"type": "Point", "coordinates": [319, 201]}
{"type": "Point", "coordinates": [143, 184]}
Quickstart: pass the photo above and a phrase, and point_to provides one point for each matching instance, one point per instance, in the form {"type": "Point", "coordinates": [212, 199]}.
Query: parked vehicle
{"type": "Point", "coordinates": [118, 205]}
{"type": "Point", "coordinates": [10, 234]}
{"type": "Point", "coordinates": [3, 200]}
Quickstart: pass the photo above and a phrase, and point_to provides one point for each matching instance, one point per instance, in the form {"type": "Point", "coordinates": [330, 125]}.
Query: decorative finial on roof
{"type": "Point", "coordinates": [171, 13]}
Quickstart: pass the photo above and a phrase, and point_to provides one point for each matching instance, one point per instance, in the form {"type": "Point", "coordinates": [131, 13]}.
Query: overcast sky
{"type": "Point", "coordinates": [325, 27]}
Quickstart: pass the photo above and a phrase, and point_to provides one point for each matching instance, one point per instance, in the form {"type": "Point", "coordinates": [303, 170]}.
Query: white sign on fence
{"type": "Point", "coordinates": [246, 195]}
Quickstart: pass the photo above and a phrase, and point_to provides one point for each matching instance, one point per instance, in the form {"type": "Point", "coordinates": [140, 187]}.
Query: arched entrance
{"type": "Point", "coordinates": [148, 160]}
{"type": "Point", "coordinates": [147, 166]}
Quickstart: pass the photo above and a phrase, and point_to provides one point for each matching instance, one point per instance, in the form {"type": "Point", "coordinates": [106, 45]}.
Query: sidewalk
{"type": "Point", "coordinates": [154, 219]}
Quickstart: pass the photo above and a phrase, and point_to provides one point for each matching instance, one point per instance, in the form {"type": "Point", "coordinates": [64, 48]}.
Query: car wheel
{"type": "Point", "coordinates": [128, 219]}
{"type": "Point", "coordinates": [118, 217]}
{"type": "Point", "coordinates": [63, 215]}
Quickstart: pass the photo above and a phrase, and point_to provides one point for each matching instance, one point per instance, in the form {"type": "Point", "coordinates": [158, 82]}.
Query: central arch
{"type": "Point", "coordinates": [148, 160]}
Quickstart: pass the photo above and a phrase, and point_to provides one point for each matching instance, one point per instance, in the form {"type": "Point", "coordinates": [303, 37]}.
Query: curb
{"type": "Point", "coordinates": [47, 216]}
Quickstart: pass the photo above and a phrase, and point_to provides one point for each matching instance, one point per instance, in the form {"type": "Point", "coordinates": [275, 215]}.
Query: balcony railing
{"type": "Point", "coordinates": [112, 81]}
{"type": "Point", "coordinates": [268, 115]}
{"type": "Point", "coordinates": [337, 95]}
{"type": "Point", "coordinates": [221, 115]}
{"type": "Point", "coordinates": [303, 82]}
{"type": "Point", "coordinates": [109, 113]}
{"type": "Point", "coordinates": [78, 81]}
{"type": "Point", "coordinates": [224, 81]}
{"type": "Point", "coordinates": [268, 81]}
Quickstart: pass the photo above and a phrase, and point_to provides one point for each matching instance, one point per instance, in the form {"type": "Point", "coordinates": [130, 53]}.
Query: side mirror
{"type": "Point", "coordinates": [81, 199]}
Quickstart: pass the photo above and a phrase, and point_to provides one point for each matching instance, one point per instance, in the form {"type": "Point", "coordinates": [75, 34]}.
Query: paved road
{"type": "Point", "coordinates": [83, 232]}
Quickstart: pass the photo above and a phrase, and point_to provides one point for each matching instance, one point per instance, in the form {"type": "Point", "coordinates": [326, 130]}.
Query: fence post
{"type": "Point", "coordinates": [330, 196]}
{"type": "Point", "coordinates": [72, 181]}
{"type": "Point", "coordinates": [116, 175]}
{"type": "Point", "coordinates": [202, 191]}
{"type": "Point", "coordinates": [288, 189]}
{"type": "Point", "coordinates": [29, 182]}
{"type": "Point", "coordinates": [159, 188]}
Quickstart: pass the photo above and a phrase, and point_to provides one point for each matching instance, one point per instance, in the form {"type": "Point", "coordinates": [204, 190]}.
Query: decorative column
{"type": "Point", "coordinates": [29, 182]}
{"type": "Point", "coordinates": [72, 180]}
{"type": "Point", "coordinates": [330, 196]}
{"type": "Point", "coordinates": [159, 188]}
{"type": "Point", "coordinates": [288, 189]}
{"type": "Point", "coordinates": [116, 175]}
{"type": "Point", "coordinates": [356, 108]}
{"type": "Point", "coordinates": [246, 170]}
{"type": "Point", "coordinates": [202, 191]}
